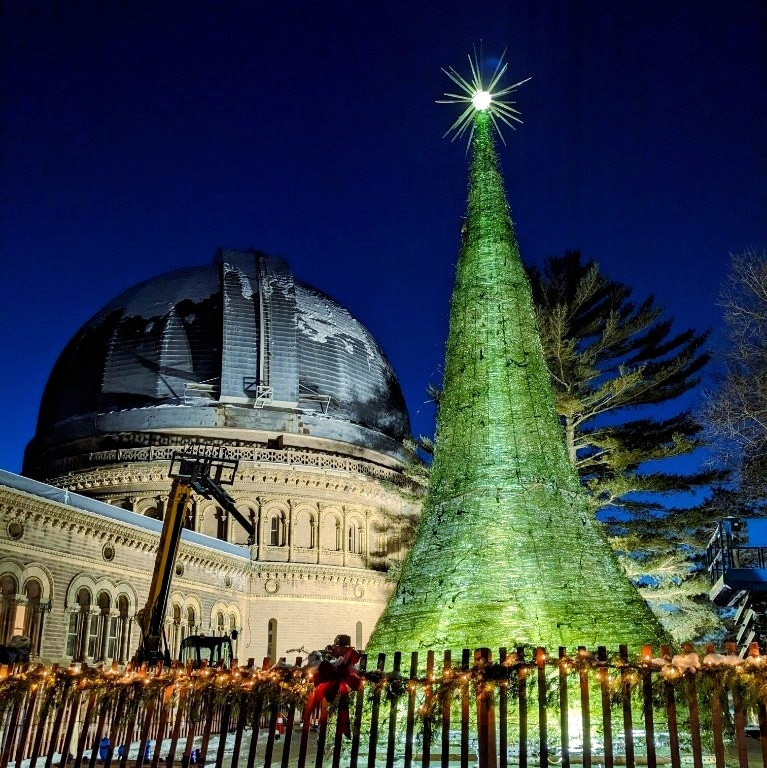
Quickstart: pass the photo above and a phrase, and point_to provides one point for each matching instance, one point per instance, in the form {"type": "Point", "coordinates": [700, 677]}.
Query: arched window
{"type": "Point", "coordinates": [305, 530]}
{"type": "Point", "coordinates": [233, 633]}
{"type": "Point", "coordinates": [175, 630]}
{"type": "Point", "coordinates": [221, 525]}
{"type": "Point", "coordinates": [123, 630]}
{"type": "Point", "coordinates": [191, 621]}
{"type": "Point", "coordinates": [33, 621]}
{"type": "Point", "coordinates": [277, 531]}
{"type": "Point", "coordinates": [97, 627]}
{"type": "Point", "coordinates": [78, 625]}
{"type": "Point", "coordinates": [358, 635]}
{"type": "Point", "coordinates": [352, 539]}
{"type": "Point", "coordinates": [8, 588]}
{"type": "Point", "coordinates": [220, 625]}
{"type": "Point", "coordinates": [190, 517]}
{"type": "Point", "coordinates": [271, 640]}
{"type": "Point", "coordinates": [237, 534]}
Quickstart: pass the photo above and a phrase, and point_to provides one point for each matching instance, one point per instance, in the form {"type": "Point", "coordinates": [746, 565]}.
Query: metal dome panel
{"type": "Point", "coordinates": [239, 344]}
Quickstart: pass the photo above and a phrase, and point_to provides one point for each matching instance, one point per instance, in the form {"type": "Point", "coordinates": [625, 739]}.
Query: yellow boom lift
{"type": "Point", "coordinates": [191, 473]}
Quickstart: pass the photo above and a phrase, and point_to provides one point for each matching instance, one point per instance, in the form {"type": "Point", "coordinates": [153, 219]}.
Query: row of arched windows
{"type": "Point", "coordinates": [99, 631]}
{"type": "Point", "coordinates": [213, 521]}
{"type": "Point", "coordinates": [306, 534]}
{"type": "Point", "coordinates": [184, 621]}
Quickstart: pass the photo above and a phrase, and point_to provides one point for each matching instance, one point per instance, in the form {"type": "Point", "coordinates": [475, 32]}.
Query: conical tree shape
{"type": "Point", "coordinates": [507, 552]}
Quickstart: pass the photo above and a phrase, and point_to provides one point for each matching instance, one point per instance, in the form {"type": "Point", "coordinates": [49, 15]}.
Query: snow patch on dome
{"type": "Point", "coordinates": [322, 321]}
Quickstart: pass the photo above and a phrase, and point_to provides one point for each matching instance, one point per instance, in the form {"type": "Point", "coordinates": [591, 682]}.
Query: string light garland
{"type": "Point", "coordinates": [286, 686]}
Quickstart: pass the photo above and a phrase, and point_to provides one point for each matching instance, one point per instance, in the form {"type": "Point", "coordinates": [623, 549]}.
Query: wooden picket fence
{"type": "Point", "coordinates": [523, 708]}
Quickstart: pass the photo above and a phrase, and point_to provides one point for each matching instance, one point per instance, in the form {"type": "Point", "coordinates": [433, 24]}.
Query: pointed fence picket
{"type": "Point", "coordinates": [524, 709]}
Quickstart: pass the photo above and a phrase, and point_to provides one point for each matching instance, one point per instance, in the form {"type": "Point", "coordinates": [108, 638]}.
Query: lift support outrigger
{"type": "Point", "coordinates": [191, 473]}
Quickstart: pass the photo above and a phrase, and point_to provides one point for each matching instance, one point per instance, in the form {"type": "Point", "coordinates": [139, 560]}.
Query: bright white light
{"type": "Point", "coordinates": [476, 95]}
{"type": "Point", "coordinates": [481, 100]}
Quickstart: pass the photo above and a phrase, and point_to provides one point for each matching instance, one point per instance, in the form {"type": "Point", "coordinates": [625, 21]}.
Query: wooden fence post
{"type": "Point", "coordinates": [522, 703]}
{"type": "Point", "coordinates": [503, 712]}
{"type": "Point", "coordinates": [716, 726]}
{"type": "Point", "coordinates": [485, 713]}
{"type": "Point", "coordinates": [411, 691]}
{"type": "Point", "coordinates": [465, 658]}
{"type": "Point", "coordinates": [239, 729]}
{"type": "Point", "coordinates": [543, 736]}
{"type": "Point", "coordinates": [43, 712]}
{"type": "Point", "coordinates": [9, 737]}
{"type": "Point", "coordinates": [164, 705]}
{"type": "Point", "coordinates": [671, 719]}
{"type": "Point", "coordinates": [115, 728]}
{"type": "Point", "coordinates": [392, 735]}
{"type": "Point", "coordinates": [272, 729]}
{"type": "Point", "coordinates": [740, 729]}
{"type": "Point", "coordinates": [253, 746]}
{"type": "Point", "coordinates": [607, 723]}
{"type": "Point", "coordinates": [628, 718]}
{"type": "Point", "coordinates": [207, 708]}
{"type": "Point", "coordinates": [583, 679]}
{"type": "Point", "coordinates": [564, 722]}
{"type": "Point", "coordinates": [288, 736]}
{"type": "Point", "coordinates": [74, 712]}
{"type": "Point", "coordinates": [84, 728]}
{"type": "Point", "coordinates": [447, 672]}
{"type": "Point", "coordinates": [374, 712]}
{"type": "Point", "coordinates": [428, 721]}
{"type": "Point", "coordinates": [359, 704]}
{"type": "Point", "coordinates": [762, 734]}
{"type": "Point", "coordinates": [175, 733]}
{"type": "Point", "coordinates": [649, 725]}
{"type": "Point", "coordinates": [223, 729]}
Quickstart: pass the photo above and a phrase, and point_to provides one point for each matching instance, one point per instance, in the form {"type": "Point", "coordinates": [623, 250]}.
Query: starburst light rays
{"type": "Point", "coordinates": [479, 97]}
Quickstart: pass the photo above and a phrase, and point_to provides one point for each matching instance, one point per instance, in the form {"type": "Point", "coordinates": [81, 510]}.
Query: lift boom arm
{"type": "Point", "coordinates": [190, 473]}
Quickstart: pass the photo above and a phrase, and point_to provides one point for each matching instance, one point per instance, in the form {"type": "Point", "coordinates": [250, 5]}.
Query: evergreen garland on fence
{"type": "Point", "coordinates": [284, 686]}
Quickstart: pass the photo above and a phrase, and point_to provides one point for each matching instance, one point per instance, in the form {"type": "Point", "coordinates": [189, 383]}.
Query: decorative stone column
{"type": "Point", "coordinates": [320, 511]}
{"type": "Point", "coordinates": [289, 532]}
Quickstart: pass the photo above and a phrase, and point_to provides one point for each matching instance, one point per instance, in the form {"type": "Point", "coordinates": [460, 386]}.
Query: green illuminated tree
{"type": "Point", "coordinates": [507, 551]}
{"type": "Point", "coordinates": [609, 356]}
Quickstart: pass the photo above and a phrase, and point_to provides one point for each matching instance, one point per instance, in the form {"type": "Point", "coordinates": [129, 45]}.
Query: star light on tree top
{"type": "Point", "coordinates": [481, 98]}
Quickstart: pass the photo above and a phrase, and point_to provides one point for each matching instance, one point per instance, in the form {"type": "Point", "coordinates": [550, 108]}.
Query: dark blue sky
{"type": "Point", "coordinates": [138, 136]}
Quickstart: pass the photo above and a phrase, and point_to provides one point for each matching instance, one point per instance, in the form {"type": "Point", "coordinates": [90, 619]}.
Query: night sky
{"type": "Point", "coordinates": [138, 136]}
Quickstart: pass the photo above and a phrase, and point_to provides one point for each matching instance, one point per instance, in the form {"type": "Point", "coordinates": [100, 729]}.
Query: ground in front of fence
{"type": "Point", "coordinates": [597, 761]}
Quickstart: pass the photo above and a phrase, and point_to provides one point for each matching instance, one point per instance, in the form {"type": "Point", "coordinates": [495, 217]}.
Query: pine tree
{"type": "Point", "coordinates": [609, 356]}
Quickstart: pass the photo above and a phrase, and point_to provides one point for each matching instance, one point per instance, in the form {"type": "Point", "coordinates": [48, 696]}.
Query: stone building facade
{"type": "Point", "coordinates": [300, 396]}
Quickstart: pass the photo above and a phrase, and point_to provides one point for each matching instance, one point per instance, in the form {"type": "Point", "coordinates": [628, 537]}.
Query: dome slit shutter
{"type": "Point", "coordinates": [279, 361]}
{"type": "Point", "coordinates": [239, 368]}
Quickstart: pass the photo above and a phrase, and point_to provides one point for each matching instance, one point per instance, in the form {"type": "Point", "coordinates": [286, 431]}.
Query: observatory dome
{"type": "Point", "coordinates": [238, 350]}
